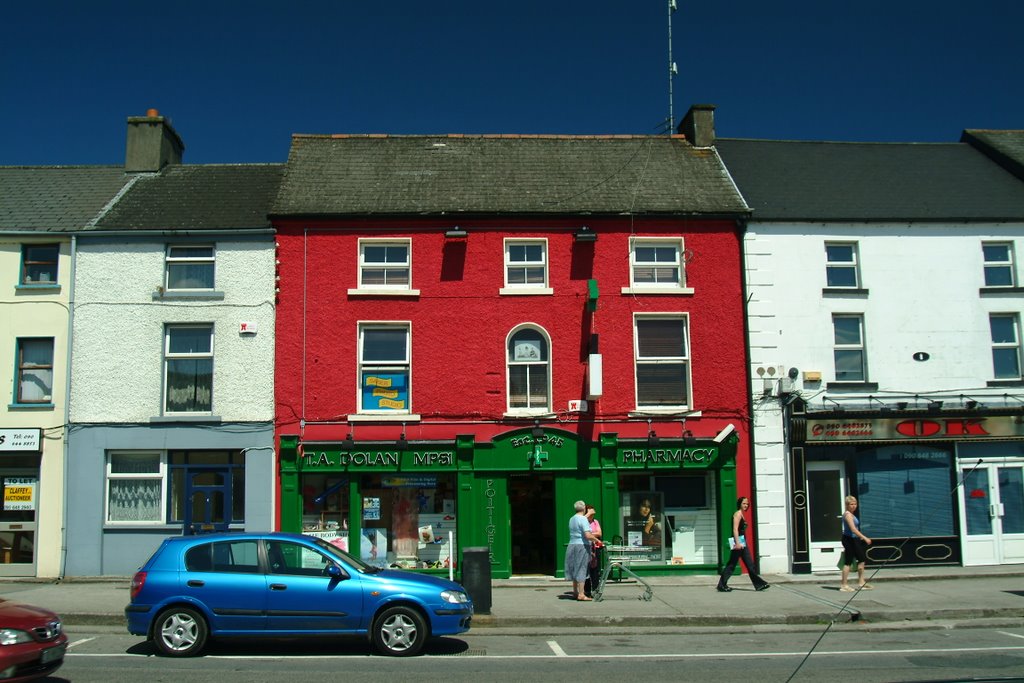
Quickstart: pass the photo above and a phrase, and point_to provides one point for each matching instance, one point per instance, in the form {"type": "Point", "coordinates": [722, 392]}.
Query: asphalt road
{"type": "Point", "coordinates": [851, 653]}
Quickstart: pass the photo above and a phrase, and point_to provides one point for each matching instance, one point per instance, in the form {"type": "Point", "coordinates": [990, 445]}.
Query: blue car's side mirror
{"type": "Point", "coordinates": [335, 572]}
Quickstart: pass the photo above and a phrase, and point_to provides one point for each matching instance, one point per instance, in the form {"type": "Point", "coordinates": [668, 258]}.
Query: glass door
{"type": "Point", "coordinates": [20, 490]}
{"type": "Point", "coordinates": [826, 491]}
{"type": "Point", "coordinates": [992, 511]}
{"type": "Point", "coordinates": [208, 500]}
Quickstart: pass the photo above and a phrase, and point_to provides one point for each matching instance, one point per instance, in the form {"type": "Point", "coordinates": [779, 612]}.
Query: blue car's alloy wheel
{"type": "Point", "coordinates": [180, 632]}
{"type": "Point", "coordinates": [399, 632]}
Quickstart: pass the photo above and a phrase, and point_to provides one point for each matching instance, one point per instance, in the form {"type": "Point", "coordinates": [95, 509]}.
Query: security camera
{"type": "Point", "coordinates": [724, 434]}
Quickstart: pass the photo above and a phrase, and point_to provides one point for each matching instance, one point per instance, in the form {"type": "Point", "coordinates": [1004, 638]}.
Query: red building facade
{"type": "Point", "coordinates": [473, 333]}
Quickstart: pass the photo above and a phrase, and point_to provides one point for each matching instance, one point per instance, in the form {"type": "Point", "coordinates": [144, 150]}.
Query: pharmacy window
{"type": "Point", "coordinates": [657, 266]}
{"type": "Point", "coordinates": [529, 372]}
{"type": "Point", "coordinates": [384, 368]}
{"type": "Point", "coordinates": [526, 267]}
{"type": "Point", "coordinates": [662, 361]}
{"type": "Point", "coordinates": [385, 267]}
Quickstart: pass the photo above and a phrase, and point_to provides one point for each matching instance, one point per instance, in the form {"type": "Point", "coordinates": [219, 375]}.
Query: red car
{"type": "Point", "coordinates": [32, 642]}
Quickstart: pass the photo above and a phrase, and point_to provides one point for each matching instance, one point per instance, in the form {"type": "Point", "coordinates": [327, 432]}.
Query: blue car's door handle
{"type": "Point", "coordinates": [278, 587]}
{"type": "Point", "coordinates": [196, 583]}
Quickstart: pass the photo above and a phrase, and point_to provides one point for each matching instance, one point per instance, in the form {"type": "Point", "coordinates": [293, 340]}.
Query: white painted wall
{"type": "Point", "coordinates": [118, 337]}
{"type": "Point", "coordinates": [923, 286]}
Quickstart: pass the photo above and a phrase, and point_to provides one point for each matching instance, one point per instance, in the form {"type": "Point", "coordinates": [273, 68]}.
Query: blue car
{"type": "Point", "coordinates": [279, 584]}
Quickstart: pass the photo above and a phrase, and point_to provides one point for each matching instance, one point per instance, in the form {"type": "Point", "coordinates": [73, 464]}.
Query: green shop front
{"type": "Point", "coordinates": [416, 506]}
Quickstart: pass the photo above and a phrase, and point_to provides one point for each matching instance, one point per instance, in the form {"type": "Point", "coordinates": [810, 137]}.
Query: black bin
{"type": "Point", "coordinates": [476, 577]}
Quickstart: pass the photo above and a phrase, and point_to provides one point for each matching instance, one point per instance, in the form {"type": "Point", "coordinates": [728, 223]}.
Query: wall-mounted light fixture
{"type": "Point", "coordinates": [838, 407]}
{"type": "Point", "coordinates": [688, 438]}
{"type": "Point", "coordinates": [585, 234]}
{"type": "Point", "coordinates": [902, 405]}
{"type": "Point", "coordinates": [969, 402]}
{"type": "Point", "coordinates": [537, 431]}
{"type": "Point", "coordinates": [934, 406]}
{"type": "Point", "coordinates": [652, 436]}
{"type": "Point", "coordinates": [456, 232]}
{"type": "Point", "coordinates": [885, 408]}
{"type": "Point", "coordinates": [349, 443]}
{"type": "Point", "coordinates": [402, 443]}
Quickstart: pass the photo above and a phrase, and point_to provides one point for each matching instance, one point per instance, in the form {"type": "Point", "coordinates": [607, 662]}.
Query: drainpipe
{"type": "Point", "coordinates": [67, 411]}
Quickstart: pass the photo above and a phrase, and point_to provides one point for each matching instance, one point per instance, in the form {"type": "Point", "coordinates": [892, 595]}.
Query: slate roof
{"type": "Point", "coordinates": [197, 197]}
{"type": "Point", "coordinates": [555, 175]}
{"type": "Point", "coordinates": [56, 198]}
{"type": "Point", "coordinates": [853, 181]}
{"type": "Point", "coordinates": [1005, 147]}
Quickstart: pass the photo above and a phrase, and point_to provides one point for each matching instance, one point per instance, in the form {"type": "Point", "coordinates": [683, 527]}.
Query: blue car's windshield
{"type": "Point", "coordinates": [340, 554]}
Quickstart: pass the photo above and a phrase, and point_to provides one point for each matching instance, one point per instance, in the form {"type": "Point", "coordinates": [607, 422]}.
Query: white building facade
{"type": "Point", "coordinates": [884, 306]}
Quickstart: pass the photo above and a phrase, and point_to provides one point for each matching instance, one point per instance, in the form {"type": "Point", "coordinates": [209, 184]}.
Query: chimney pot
{"type": "Point", "coordinates": [152, 113]}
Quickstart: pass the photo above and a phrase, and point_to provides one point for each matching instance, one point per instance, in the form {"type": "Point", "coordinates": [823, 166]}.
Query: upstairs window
{"type": "Point", "coordinates": [998, 264]}
{"type": "Point", "coordinates": [384, 368]}
{"type": "Point", "coordinates": [189, 267]}
{"type": "Point", "coordinates": [848, 337]}
{"type": "Point", "coordinates": [662, 362]}
{"type": "Point", "coordinates": [188, 368]}
{"type": "Point", "coordinates": [526, 267]}
{"type": "Point", "coordinates": [39, 264]}
{"type": "Point", "coordinates": [35, 371]}
{"type": "Point", "coordinates": [841, 267]}
{"type": "Point", "coordinates": [529, 372]}
{"type": "Point", "coordinates": [384, 264]}
{"type": "Point", "coordinates": [1005, 345]}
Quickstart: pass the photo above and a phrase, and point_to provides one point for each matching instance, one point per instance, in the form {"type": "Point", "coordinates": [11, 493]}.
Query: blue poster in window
{"type": "Point", "coordinates": [385, 391]}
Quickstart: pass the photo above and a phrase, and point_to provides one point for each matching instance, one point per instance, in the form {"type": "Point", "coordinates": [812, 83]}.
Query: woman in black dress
{"type": "Point", "coordinates": [738, 543]}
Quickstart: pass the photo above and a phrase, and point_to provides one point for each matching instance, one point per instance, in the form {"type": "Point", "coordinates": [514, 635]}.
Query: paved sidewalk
{"type": "Point", "coordinates": [901, 597]}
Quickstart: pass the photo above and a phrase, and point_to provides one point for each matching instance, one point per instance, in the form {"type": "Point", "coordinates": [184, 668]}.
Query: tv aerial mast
{"type": "Point", "coordinates": [672, 70]}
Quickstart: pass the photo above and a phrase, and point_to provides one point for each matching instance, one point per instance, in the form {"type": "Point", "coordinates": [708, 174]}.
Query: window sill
{"type": "Point", "coordinates": [30, 406]}
{"type": "Point", "coordinates": [528, 414]}
{"type": "Point", "coordinates": [657, 290]}
{"type": "Point", "coordinates": [1005, 383]}
{"type": "Point", "coordinates": [990, 291]}
{"type": "Point", "coordinates": [383, 417]}
{"type": "Point", "coordinates": [525, 291]}
{"type": "Point", "coordinates": [48, 287]}
{"type": "Point", "coordinates": [185, 295]}
{"type": "Point", "coordinates": [186, 417]}
{"type": "Point", "coordinates": [677, 411]}
{"type": "Point", "coordinates": [366, 291]}
{"type": "Point", "coordinates": [866, 386]}
{"type": "Point", "coordinates": [844, 291]}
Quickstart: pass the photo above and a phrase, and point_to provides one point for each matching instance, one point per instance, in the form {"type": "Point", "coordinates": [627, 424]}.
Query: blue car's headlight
{"type": "Point", "coordinates": [454, 597]}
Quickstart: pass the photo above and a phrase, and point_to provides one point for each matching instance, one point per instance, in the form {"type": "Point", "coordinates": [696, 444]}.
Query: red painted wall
{"type": "Point", "coordinates": [460, 325]}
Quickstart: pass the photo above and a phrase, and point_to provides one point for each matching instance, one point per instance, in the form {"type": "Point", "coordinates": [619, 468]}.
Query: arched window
{"type": "Point", "coordinates": [529, 375]}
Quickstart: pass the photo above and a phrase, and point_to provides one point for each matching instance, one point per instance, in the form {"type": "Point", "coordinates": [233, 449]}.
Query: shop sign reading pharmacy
{"type": "Point", "coordinates": [913, 429]}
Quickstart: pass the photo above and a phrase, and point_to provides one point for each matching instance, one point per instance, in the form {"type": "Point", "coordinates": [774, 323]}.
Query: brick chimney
{"type": "Point", "coordinates": [699, 125]}
{"type": "Point", "coordinates": [152, 143]}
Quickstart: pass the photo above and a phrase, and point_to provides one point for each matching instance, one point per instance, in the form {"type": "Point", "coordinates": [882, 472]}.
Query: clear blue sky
{"type": "Point", "coordinates": [238, 78]}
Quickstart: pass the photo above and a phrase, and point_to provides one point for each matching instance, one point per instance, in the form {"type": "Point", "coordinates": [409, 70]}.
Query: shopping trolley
{"type": "Point", "coordinates": [617, 558]}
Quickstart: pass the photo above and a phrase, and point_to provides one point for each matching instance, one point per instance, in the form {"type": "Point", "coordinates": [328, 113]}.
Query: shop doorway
{"type": "Point", "coordinates": [532, 507]}
{"type": "Point", "coordinates": [208, 500]}
{"type": "Point", "coordinates": [826, 493]}
{"type": "Point", "coordinates": [992, 511]}
{"type": "Point", "coordinates": [19, 488]}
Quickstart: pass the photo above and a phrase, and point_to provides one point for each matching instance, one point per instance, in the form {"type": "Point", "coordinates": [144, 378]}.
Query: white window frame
{"type": "Point", "coordinates": [377, 289]}
{"type": "Point", "coordinates": [171, 260]}
{"type": "Point", "coordinates": [1008, 264]}
{"type": "Point", "coordinates": [21, 368]}
{"type": "Point", "coordinates": [168, 356]}
{"type": "Point", "coordinates": [852, 265]}
{"type": "Point", "coordinates": [685, 359]}
{"type": "Point", "coordinates": [1003, 346]}
{"type": "Point", "coordinates": [509, 264]}
{"type": "Point", "coordinates": [860, 346]}
{"type": "Point", "coordinates": [384, 366]}
{"type": "Point", "coordinates": [678, 287]}
{"type": "Point", "coordinates": [510, 362]}
{"type": "Point", "coordinates": [160, 476]}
